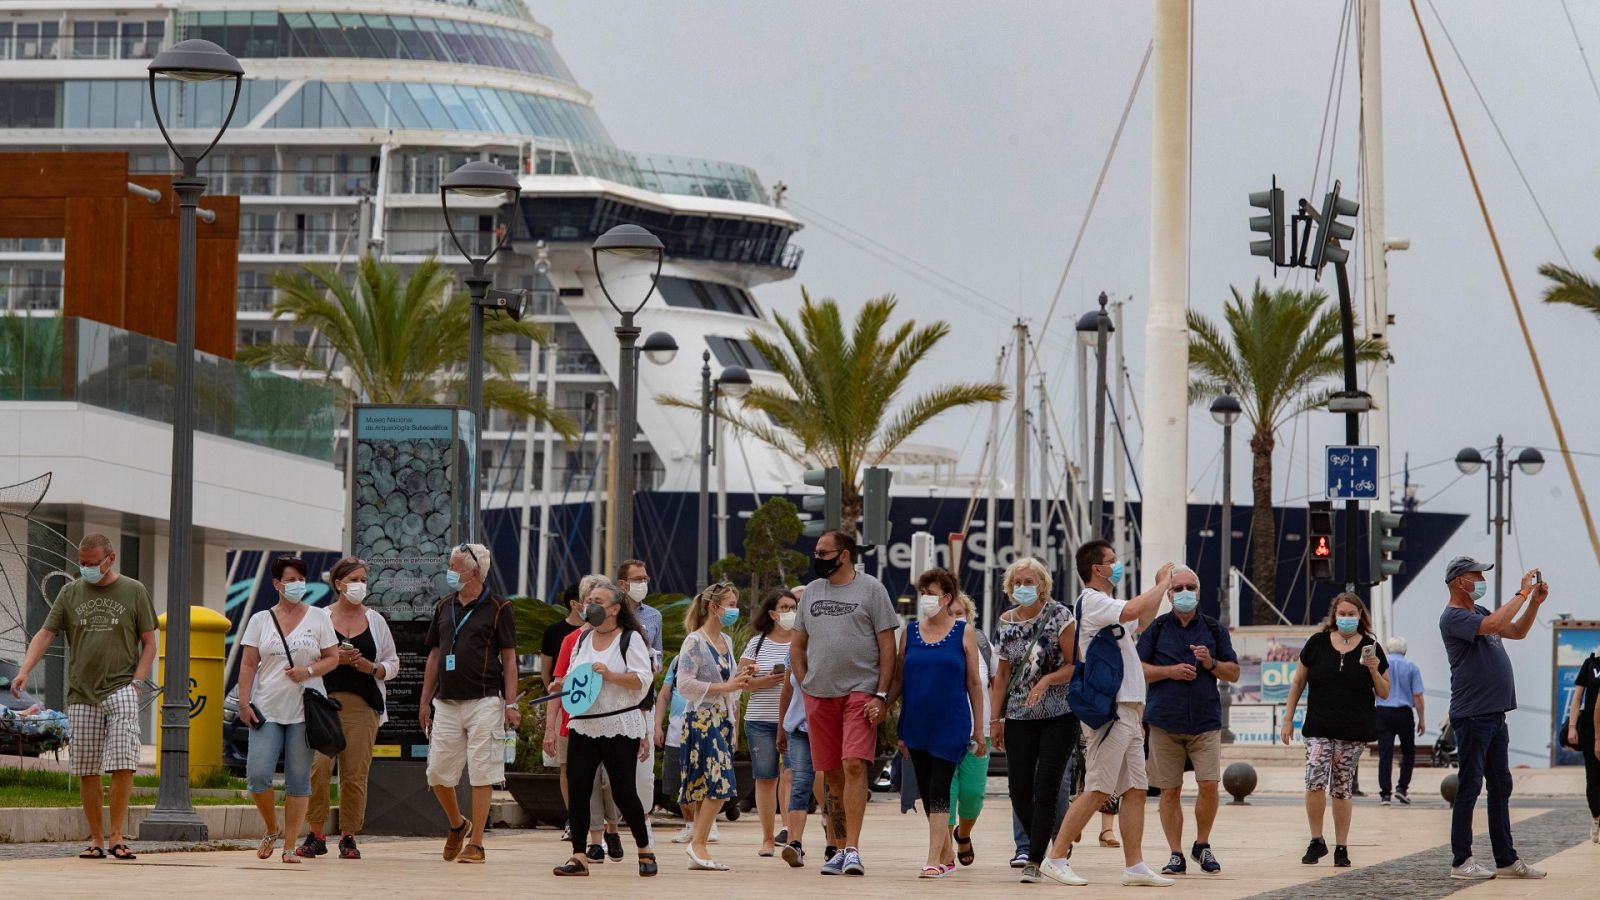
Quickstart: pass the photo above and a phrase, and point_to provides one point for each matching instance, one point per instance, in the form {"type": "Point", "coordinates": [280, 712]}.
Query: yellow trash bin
{"type": "Point", "coordinates": [208, 630]}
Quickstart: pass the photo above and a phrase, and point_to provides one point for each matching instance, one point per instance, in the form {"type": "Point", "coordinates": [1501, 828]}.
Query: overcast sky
{"type": "Point", "coordinates": [968, 136]}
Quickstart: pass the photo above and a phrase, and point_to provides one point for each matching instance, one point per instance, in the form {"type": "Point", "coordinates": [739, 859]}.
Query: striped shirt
{"type": "Point", "coordinates": [763, 705]}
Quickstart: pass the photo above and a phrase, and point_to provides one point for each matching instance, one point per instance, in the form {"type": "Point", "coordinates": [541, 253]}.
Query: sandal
{"type": "Point", "coordinates": [1109, 841]}
{"type": "Point", "coordinates": [574, 867]}
{"type": "Point", "coordinates": [932, 872]}
{"type": "Point", "coordinates": [964, 851]}
{"type": "Point", "coordinates": [289, 856]}
{"type": "Point", "coordinates": [647, 863]}
{"type": "Point", "coordinates": [122, 852]}
{"type": "Point", "coordinates": [93, 853]}
{"type": "Point", "coordinates": [264, 849]}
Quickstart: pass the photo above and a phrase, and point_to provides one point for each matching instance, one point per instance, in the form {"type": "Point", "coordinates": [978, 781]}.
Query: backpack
{"type": "Point", "coordinates": [646, 704]}
{"type": "Point", "coordinates": [1098, 677]}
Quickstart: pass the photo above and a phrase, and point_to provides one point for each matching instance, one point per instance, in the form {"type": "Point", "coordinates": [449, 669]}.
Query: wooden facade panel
{"type": "Point", "coordinates": [75, 174]}
{"type": "Point", "coordinates": [152, 266]}
{"type": "Point", "coordinates": [94, 274]}
{"type": "Point", "coordinates": [34, 217]}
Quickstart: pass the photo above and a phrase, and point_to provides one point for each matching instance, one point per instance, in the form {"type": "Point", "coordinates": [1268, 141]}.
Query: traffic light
{"type": "Point", "coordinates": [1320, 513]}
{"type": "Point", "coordinates": [1270, 224]}
{"type": "Point", "coordinates": [875, 507]}
{"type": "Point", "coordinates": [1386, 545]}
{"type": "Point", "coordinates": [1331, 230]}
{"type": "Point", "coordinates": [830, 504]}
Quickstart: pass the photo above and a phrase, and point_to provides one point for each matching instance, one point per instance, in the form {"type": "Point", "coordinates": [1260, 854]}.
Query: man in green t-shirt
{"type": "Point", "coordinates": [111, 635]}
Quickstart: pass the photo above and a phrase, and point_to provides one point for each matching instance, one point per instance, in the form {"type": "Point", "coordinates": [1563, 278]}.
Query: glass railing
{"type": "Point", "coordinates": [61, 358]}
{"type": "Point", "coordinates": [32, 245]}
{"type": "Point", "coordinates": [654, 172]}
{"type": "Point", "coordinates": [437, 242]}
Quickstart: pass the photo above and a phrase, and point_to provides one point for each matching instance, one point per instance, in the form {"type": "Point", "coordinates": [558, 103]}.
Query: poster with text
{"type": "Point", "coordinates": [1577, 646]}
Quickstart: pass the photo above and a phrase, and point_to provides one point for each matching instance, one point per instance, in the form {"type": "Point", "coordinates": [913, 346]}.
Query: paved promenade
{"type": "Point", "coordinates": [1398, 851]}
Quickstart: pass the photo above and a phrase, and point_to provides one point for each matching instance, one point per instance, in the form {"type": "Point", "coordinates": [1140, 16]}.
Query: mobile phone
{"type": "Point", "coordinates": [1537, 576]}
{"type": "Point", "coordinates": [346, 645]}
{"type": "Point", "coordinates": [259, 718]}
{"type": "Point", "coordinates": [1369, 651]}
{"type": "Point", "coordinates": [777, 669]}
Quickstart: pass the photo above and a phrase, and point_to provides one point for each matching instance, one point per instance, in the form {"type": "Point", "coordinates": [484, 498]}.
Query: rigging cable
{"type": "Point", "coordinates": [1581, 52]}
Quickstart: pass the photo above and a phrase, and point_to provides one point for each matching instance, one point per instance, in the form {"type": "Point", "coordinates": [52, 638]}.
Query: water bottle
{"type": "Point", "coordinates": [511, 747]}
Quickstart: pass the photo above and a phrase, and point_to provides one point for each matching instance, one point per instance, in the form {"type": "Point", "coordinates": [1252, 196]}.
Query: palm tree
{"type": "Point", "coordinates": [840, 404]}
{"type": "Point", "coordinates": [402, 340]}
{"type": "Point", "coordinates": [1572, 287]}
{"type": "Point", "coordinates": [1280, 348]}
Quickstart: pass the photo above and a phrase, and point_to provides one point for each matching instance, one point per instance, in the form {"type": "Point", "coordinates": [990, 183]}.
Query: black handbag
{"type": "Point", "coordinates": [324, 734]}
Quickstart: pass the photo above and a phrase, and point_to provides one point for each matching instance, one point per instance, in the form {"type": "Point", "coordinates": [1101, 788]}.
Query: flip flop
{"type": "Point", "coordinates": [122, 852]}
{"type": "Point", "coordinates": [932, 872]}
{"type": "Point", "coordinates": [93, 853]}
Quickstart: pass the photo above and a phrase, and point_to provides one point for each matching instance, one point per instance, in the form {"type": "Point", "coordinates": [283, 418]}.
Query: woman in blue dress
{"type": "Point", "coordinates": [939, 686]}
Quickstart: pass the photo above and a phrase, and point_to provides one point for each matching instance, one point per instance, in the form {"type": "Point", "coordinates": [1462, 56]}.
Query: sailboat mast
{"type": "Point", "coordinates": [1019, 507]}
{"type": "Point", "coordinates": [1376, 313]}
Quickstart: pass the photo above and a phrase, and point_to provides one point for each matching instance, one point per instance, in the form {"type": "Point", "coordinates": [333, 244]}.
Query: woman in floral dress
{"type": "Point", "coordinates": [710, 680]}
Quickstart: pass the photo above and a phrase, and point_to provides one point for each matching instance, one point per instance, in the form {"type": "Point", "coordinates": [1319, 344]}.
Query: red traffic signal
{"type": "Point", "coordinates": [1319, 516]}
{"type": "Point", "coordinates": [1321, 548]}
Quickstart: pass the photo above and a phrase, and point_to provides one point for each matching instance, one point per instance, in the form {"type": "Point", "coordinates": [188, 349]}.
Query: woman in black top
{"type": "Point", "coordinates": [1347, 673]}
{"type": "Point", "coordinates": [1582, 717]}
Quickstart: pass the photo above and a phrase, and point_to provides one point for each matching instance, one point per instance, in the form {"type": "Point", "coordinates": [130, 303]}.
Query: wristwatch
{"type": "Point", "coordinates": [882, 695]}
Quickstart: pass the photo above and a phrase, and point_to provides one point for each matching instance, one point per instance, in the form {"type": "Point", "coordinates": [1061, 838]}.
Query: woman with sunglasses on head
{"type": "Point", "coordinates": [710, 680]}
{"type": "Point", "coordinates": [768, 653]}
{"type": "Point", "coordinates": [367, 659]}
{"type": "Point", "coordinates": [287, 649]}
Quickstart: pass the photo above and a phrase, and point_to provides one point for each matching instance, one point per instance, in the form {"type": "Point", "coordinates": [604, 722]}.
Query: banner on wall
{"type": "Point", "coordinates": [1576, 644]}
{"type": "Point", "coordinates": [1268, 656]}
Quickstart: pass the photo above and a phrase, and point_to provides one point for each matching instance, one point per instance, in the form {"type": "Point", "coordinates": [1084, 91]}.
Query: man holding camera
{"type": "Point", "coordinates": [1482, 691]}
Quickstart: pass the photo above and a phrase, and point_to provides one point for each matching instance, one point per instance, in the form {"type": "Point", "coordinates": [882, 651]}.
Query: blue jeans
{"type": "Point", "coordinates": [798, 759]}
{"type": "Point", "coordinates": [763, 740]}
{"type": "Point", "coordinates": [1483, 746]}
{"type": "Point", "coordinates": [269, 742]}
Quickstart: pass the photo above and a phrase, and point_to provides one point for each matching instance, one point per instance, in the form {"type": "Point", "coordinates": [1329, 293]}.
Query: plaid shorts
{"type": "Point", "coordinates": [105, 736]}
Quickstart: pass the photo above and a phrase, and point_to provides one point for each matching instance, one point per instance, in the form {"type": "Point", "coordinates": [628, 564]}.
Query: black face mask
{"type": "Point", "coordinates": [594, 614]}
{"type": "Point", "coordinates": [824, 568]}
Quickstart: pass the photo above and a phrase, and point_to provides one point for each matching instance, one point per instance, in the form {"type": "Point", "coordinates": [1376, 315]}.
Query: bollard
{"type": "Point", "coordinates": [1240, 781]}
{"type": "Point", "coordinates": [1447, 788]}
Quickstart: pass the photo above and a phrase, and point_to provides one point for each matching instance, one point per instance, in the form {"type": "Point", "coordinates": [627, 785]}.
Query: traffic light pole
{"type": "Point", "coordinates": [1352, 426]}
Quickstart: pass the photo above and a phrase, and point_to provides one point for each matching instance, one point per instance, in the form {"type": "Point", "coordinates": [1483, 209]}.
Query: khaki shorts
{"type": "Point", "coordinates": [470, 734]}
{"type": "Point", "coordinates": [1168, 751]}
{"type": "Point", "coordinates": [1114, 753]}
{"type": "Point", "coordinates": [561, 749]}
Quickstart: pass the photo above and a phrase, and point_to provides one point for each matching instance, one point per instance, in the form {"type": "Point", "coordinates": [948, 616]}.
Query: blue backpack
{"type": "Point", "coordinates": [1098, 677]}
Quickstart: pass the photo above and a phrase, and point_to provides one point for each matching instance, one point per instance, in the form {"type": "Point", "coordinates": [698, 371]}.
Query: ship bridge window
{"type": "Point", "coordinates": [738, 352]}
{"type": "Point", "coordinates": [695, 294]}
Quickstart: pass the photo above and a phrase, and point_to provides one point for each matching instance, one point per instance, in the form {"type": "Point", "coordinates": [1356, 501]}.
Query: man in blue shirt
{"type": "Point", "coordinates": [1482, 690]}
{"type": "Point", "coordinates": [1185, 653]}
{"type": "Point", "coordinates": [1395, 721]}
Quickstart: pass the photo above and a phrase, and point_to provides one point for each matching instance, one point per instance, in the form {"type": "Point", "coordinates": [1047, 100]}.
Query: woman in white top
{"type": "Point", "coordinates": [710, 681]}
{"type": "Point", "coordinates": [767, 658]}
{"type": "Point", "coordinates": [367, 659]}
{"type": "Point", "coordinates": [612, 733]}
{"type": "Point", "coordinates": [287, 649]}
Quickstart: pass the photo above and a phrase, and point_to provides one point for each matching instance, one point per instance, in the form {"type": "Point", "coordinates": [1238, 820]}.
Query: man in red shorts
{"type": "Point", "coordinates": [843, 655]}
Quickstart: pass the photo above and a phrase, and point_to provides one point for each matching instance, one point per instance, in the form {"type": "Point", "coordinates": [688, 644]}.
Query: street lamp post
{"type": "Point", "coordinates": [626, 247]}
{"type": "Point", "coordinates": [1530, 461]}
{"type": "Point", "coordinates": [174, 818]}
{"type": "Point", "coordinates": [1093, 328]}
{"type": "Point", "coordinates": [1226, 410]}
{"type": "Point", "coordinates": [478, 178]}
{"type": "Point", "coordinates": [735, 382]}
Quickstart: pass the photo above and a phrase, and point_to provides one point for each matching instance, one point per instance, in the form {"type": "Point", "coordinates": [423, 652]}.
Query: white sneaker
{"type": "Point", "coordinates": [1145, 879]}
{"type": "Point", "coordinates": [1470, 871]}
{"type": "Point", "coordinates": [1520, 869]}
{"type": "Point", "coordinates": [715, 838]}
{"type": "Point", "coordinates": [684, 836]}
{"type": "Point", "coordinates": [1061, 872]}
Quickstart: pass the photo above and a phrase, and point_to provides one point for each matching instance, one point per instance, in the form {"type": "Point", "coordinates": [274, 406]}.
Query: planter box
{"type": "Point", "coordinates": [539, 795]}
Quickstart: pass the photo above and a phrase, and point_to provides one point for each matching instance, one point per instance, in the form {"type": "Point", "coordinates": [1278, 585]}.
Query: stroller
{"type": "Point", "coordinates": [1444, 749]}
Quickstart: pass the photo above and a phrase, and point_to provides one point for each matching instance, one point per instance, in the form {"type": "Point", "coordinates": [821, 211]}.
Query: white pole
{"type": "Point", "coordinates": [547, 474]}
{"type": "Point", "coordinates": [1019, 505]}
{"type": "Point", "coordinates": [1042, 535]}
{"type": "Point", "coordinates": [597, 483]}
{"type": "Point", "coordinates": [722, 488]}
{"type": "Point", "coordinates": [990, 576]}
{"type": "Point", "coordinates": [524, 528]}
{"type": "Point", "coordinates": [1119, 473]}
{"type": "Point", "coordinates": [1166, 438]}
{"type": "Point", "coordinates": [1375, 315]}
{"type": "Point", "coordinates": [1084, 393]}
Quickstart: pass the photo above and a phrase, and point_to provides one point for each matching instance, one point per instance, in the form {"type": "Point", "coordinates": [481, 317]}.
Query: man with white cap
{"type": "Point", "coordinates": [1482, 690]}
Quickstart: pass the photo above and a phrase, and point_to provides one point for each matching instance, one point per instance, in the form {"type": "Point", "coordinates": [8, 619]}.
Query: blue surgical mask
{"type": "Point", "coordinates": [91, 574]}
{"type": "Point", "coordinates": [1116, 574]}
{"type": "Point", "coordinates": [1347, 624]}
{"type": "Point", "coordinates": [730, 616]}
{"type": "Point", "coordinates": [1479, 588]}
{"type": "Point", "coordinates": [295, 591]}
{"type": "Point", "coordinates": [453, 578]}
{"type": "Point", "coordinates": [1185, 601]}
{"type": "Point", "coordinates": [1025, 594]}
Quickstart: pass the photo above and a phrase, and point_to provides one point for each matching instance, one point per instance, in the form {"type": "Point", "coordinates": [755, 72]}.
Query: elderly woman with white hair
{"type": "Point", "coordinates": [1031, 720]}
{"type": "Point", "coordinates": [469, 689]}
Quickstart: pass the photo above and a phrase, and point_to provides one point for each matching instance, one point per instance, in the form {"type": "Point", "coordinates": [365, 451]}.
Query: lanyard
{"type": "Point", "coordinates": [455, 609]}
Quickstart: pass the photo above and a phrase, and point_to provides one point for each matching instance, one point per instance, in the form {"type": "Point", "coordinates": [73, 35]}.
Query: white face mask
{"type": "Point", "coordinates": [786, 619]}
{"type": "Point", "coordinates": [928, 605]}
{"type": "Point", "coordinates": [355, 592]}
{"type": "Point", "coordinates": [638, 590]}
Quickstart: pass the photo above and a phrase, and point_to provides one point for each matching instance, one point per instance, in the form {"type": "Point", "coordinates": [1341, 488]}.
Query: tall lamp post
{"type": "Point", "coordinates": [735, 382]}
{"type": "Point", "coordinates": [174, 818]}
{"type": "Point", "coordinates": [1226, 410]}
{"type": "Point", "coordinates": [1530, 461]}
{"type": "Point", "coordinates": [479, 178]}
{"type": "Point", "coordinates": [631, 252]}
{"type": "Point", "coordinates": [1094, 327]}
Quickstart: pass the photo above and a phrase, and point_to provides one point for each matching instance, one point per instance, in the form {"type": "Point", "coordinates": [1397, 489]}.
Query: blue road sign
{"type": "Point", "coordinates": [1352, 473]}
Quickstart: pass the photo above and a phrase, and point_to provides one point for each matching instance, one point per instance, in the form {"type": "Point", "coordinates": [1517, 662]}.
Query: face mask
{"type": "Point", "coordinates": [1116, 574]}
{"type": "Point", "coordinates": [824, 568]}
{"type": "Point", "coordinates": [1479, 588]}
{"type": "Point", "coordinates": [355, 591]}
{"type": "Point", "coordinates": [928, 605]}
{"type": "Point", "coordinates": [453, 579]}
{"type": "Point", "coordinates": [1347, 624]}
{"type": "Point", "coordinates": [1185, 601]}
{"type": "Point", "coordinates": [638, 590]}
{"type": "Point", "coordinates": [594, 614]}
{"type": "Point", "coordinates": [91, 574]}
{"type": "Point", "coordinates": [294, 591]}
{"type": "Point", "coordinates": [729, 616]}
{"type": "Point", "coordinates": [1025, 594]}
{"type": "Point", "coordinates": [786, 619]}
